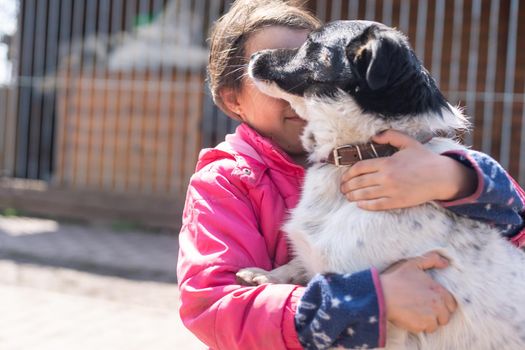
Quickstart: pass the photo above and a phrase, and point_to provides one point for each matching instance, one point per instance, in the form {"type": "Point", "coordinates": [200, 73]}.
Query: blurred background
{"type": "Point", "coordinates": [104, 108]}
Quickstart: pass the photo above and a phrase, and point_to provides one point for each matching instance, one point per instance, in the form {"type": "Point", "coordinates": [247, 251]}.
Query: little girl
{"type": "Point", "coordinates": [242, 189]}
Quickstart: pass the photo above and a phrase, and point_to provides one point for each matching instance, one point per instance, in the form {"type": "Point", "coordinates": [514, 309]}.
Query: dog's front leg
{"type": "Point", "coordinates": [291, 272]}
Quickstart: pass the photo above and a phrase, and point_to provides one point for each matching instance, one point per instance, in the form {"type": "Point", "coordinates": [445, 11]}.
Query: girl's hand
{"type": "Point", "coordinates": [413, 300]}
{"type": "Point", "coordinates": [412, 176]}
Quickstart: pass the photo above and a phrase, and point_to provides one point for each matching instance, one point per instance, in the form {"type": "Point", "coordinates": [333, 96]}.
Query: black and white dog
{"type": "Point", "coordinates": [349, 81]}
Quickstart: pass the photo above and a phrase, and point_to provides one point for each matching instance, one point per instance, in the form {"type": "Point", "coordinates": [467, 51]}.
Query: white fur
{"type": "Point", "coordinates": [330, 234]}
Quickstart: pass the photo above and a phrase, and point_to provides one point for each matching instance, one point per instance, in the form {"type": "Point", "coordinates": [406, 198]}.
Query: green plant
{"type": "Point", "coordinates": [10, 212]}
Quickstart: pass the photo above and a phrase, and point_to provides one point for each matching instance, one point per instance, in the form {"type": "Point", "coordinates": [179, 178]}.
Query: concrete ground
{"type": "Point", "coordinates": [77, 287]}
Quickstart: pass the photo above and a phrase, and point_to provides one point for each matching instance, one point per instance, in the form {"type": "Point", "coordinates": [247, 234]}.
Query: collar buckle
{"type": "Point", "coordinates": [338, 157]}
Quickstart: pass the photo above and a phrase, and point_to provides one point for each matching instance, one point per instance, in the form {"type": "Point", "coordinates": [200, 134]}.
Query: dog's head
{"type": "Point", "coordinates": [356, 78]}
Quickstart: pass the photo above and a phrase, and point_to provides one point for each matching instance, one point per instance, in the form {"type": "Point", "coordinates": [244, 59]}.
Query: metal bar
{"type": "Point", "coordinates": [183, 9]}
{"type": "Point", "coordinates": [456, 50]}
{"type": "Point", "coordinates": [370, 12]}
{"type": "Point", "coordinates": [437, 47]}
{"type": "Point", "coordinates": [353, 9]}
{"type": "Point", "coordinates": [195, 102]}
{"type": "Point", "coordinates": [337, 10]}
{"type": "Point", "coordinates": [404, 16]}
{"type": "Point", "coordinates": [209, 115]}
{"type": "Point", "coordinates": [138, 136]}
{"type": "Point", "coordinates": [170, 88]}
{"type": "Point", "coordinates": [490, 80]}
{"type": "Point", "coordinates": [85, 115]}
{"type": "Point", "coordinates": [3, 121]}
{"type": "Point", "coordinates": [49, 110]}
{"type": "Point", "coordinates": [25, 93]}
{"type": "Point", "coordinates": [177, 119]}
{"type": "Point", "coordinates": [122, 113]}
{"type": "Point", "coordinates": [114, 104]}
{"type": "Point", "coordinates": [137, 139]}
{"type": "Point", "coordinates": [128, 117]}
{"type": "Point", "coordinates": [151, 183]}
{"type": "Point", "coordinates": [387, 12]}
{"type": "Point", "coordinates": [220, 125]}
{"type": "Point", "coordinates": [4, 91]}
{"type": "Point", "coordinates": [160, 171]}
{"type": "Point", "coordinates": [510, 69]}
{"type": "Point", "coordinates": [12, 101]}
{"type": "Point", "coordinates": [62, 117]}
{"type": "Point", "coordinates": [472, 71]}
{"type": "Point", "coordinates": [422, 12]}
{"type": "Point", "coordinates": [138, 161]}
{"type": "Point", "coordinates": [35, 118]}
{"type": "Point", "coordinates": [77, 44]}
{"type": "Point", "coordinates": [102, 35]}
{"type": "Point", "coordinates": [321, 10]}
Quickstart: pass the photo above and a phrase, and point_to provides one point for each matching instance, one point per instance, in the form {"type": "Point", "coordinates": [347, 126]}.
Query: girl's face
{"type": "Point", "coordinates": [271, 117]}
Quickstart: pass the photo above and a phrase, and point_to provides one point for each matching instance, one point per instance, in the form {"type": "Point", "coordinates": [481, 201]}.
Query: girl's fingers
{"type": "Point", "coordinates": [431, 260]}
{"type": "Point", "coordinates": [383, 203]}
{"type": "Point", "coordinates": [363, 167]}
{"type": "Point", "coordinates": [367, 193]}
{"type": "Point", "coordinates": [450, 302]}
{"type": "Point", "coordinates": [396, 139]}
{"type": "Point", "coordinates": [362, 181]}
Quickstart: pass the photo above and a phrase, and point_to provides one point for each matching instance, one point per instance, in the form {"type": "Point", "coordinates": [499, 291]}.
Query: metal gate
{"type": "Point", "coordinates": [110, 95]}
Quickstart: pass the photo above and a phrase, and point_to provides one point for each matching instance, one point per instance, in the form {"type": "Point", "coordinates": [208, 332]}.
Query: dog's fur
{"type": "Point", "coordinates": [349, 81]}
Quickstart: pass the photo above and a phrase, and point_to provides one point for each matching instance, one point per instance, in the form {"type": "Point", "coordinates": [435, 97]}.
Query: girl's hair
{"type": "Point", "coordinates": [226, 65]}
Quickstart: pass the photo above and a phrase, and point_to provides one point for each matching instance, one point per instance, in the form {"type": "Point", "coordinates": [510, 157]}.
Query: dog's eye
{"type": "Point", "coordinates": [352, 87]}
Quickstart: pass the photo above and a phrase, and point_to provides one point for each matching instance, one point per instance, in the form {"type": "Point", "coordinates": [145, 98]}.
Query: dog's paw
{"type": "Point", "coordinates": [253, 276]}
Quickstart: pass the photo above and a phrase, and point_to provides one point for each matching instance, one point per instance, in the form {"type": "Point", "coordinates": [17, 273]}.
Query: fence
{"type": "Point", "coordinates": [107, 98]}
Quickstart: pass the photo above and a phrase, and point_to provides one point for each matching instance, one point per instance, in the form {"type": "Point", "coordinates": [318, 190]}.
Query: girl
{"type": "Point", "coordinates": [242, 189]}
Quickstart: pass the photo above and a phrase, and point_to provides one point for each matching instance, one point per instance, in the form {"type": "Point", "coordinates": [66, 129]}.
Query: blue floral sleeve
{"type": "Point", "coordinates": [497, 198]}
{"type": "Point", "coordinates": [341, 311]}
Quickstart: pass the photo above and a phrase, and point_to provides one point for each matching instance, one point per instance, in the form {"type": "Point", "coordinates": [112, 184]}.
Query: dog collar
{"type": "Point", "coordinates": [348, 155]}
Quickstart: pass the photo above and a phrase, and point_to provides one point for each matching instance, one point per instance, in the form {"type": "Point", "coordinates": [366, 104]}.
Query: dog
{"type": "Point", "coordinates": [349, 81]}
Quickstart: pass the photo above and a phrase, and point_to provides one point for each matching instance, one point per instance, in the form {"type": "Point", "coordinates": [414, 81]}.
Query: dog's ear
{"type": "Point", "coordinates": [372, 53]}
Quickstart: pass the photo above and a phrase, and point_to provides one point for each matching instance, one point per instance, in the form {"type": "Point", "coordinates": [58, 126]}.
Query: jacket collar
{"type": "Point", "coordinates": [269, 153]}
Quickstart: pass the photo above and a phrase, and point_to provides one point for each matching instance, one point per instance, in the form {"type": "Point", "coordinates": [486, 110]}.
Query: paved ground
{"type": "Point", "coordinates": [78, 287]}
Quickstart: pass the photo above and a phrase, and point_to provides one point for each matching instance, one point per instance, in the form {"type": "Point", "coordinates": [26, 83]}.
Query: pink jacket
{"type": "Point", "coordinates": [235, 205]}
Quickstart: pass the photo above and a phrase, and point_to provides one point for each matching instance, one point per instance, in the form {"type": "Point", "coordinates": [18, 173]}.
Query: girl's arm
{"type": "Point", "coordinates": [219, 236]}
{"type": "Point", "coordinates": [467, 182]}
{"type": "Point", "coordinates": [342, 311]}
{"type": "Point", "coordinates": [497, 199]}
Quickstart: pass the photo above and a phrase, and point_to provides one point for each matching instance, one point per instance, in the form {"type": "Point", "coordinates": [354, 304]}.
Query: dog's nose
{"type": "Point", "coordinates": [257, 66]}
